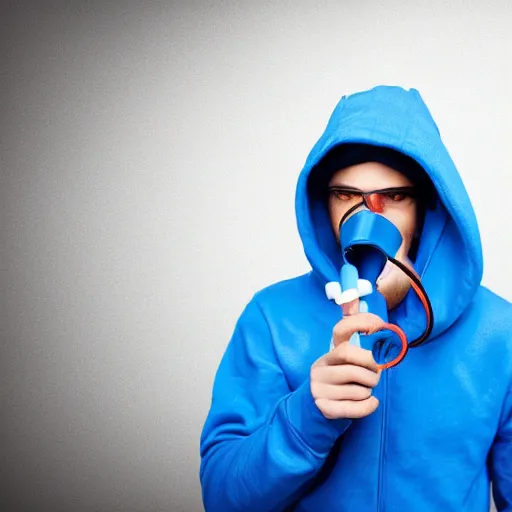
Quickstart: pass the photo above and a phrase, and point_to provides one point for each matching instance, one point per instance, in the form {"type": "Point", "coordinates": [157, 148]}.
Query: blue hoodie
{"type": "Point", "coordinates": [443, 430]}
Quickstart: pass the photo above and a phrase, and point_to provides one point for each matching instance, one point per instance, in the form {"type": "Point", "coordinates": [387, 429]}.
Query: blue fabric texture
{"type": "Point", "coordinates": [443, 430]}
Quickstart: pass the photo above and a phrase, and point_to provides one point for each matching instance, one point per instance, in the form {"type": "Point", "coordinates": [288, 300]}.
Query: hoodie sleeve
{"type": "Point", "coordinates": [262, 442]}
{"type": "Point", "coordinates": [501, 460]}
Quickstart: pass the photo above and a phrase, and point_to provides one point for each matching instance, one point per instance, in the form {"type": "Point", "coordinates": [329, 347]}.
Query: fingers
{"type": "Point", "coordinates": [343, 379]}
{"type": "Point", "coordinates": [366, 323]}
{"type": "Point", "coordinates": [333, 409]}
{"type": "Point", "coordinates": [350, 355]}
{"type": "Point", "coordinates": [345, 374]}
{"type": "Point", "coordinates": [350, 308]}
{"type": "Point", "coordinates": [333, 392]}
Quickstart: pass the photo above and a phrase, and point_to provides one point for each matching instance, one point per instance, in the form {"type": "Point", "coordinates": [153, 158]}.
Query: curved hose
{"type": "Point", "coordinates": [422, 295]}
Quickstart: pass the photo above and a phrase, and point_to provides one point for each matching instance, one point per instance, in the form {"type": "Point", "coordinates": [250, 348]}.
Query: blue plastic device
{"type": "Point", "coordinates": [366, 240]}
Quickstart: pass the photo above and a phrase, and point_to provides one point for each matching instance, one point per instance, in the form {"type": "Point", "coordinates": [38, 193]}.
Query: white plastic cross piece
{"type": "Point", "coordinates": [334, 292]}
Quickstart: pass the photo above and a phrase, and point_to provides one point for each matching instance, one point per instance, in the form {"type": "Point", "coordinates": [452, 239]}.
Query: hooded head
{"type": "Point", "coordinates": [394, 127]}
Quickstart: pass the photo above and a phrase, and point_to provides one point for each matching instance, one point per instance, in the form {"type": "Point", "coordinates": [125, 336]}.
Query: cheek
{"type": "Point", "coordinates": [335, 214]}
{"type": "Point", "coordinates": [405, 221]}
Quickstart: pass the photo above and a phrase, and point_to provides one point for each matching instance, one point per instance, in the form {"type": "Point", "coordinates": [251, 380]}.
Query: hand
{"type": "Point", "coordinates": [342, 380]}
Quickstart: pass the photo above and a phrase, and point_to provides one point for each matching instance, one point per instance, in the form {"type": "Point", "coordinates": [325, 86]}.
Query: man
{"type": "Point", "coordinates": [299, 424]}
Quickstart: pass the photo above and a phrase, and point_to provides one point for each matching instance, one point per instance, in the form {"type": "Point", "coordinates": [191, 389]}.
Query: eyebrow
{"type": "Point", "coordinates": [348, 188]}
{"type": "Point", "coordinates": [345, 187]}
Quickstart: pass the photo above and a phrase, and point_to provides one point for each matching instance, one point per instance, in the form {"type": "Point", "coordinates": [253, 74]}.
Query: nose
{"type": "Point", "coordinates": [374, 202]}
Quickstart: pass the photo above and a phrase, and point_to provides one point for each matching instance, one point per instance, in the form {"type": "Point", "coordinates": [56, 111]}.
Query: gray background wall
{"type": "Point", "coordinates": [149, 152]}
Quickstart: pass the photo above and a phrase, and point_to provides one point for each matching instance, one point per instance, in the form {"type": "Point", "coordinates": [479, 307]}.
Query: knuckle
{"type": "Point", "coordinates": [372, 403]}
{"type": "Point", "coordinates": [375, 377]}
{"type": "Point", "coordinates": [366, 377]}
{"type": "Point", "coordinates": [330, 409]}
{"type": "Point", "coordinates": [360, 356]}
{"type": "Point", "coordinates": [329, 414]}
{"type": "Point", "coordinates": [365, 408]}
{"type": "Point", "coordinates": [315, 390]}
{"type": "Point", "coordinates": [337, 332]}
{"type": "Point", "coordinates": [343, 350]}
{"type": "Point", "coordinates": [324, 407]}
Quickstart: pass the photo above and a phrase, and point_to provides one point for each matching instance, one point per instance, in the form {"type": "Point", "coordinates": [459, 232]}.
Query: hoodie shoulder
{"type": "Point", "coordinates": [488, 294]}
{"type": "Point", "coordinates": [495, 310]}
{"type": "Point", "coordinates": [486, 326]}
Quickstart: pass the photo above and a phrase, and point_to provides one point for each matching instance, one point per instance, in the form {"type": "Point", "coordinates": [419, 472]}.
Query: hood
{"type": "Point", "coordinates": [449, 257]}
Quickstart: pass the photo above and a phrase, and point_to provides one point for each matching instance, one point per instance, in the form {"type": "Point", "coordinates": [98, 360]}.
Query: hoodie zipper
{"type": "Point", "coordinates": [383, 432]}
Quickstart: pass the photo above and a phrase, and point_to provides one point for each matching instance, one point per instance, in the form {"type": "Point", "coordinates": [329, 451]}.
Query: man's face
{"type": "Point", "coordinates": [400, 209]}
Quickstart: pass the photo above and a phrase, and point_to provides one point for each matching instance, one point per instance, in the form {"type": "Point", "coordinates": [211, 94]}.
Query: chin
{"type": "Point", "coordinates": [394, 288]}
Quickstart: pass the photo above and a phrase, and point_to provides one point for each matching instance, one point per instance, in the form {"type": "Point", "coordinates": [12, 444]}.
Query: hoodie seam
{"type": "Point", "coordinates": [432, 252]}
{"type": "Point", "coordinates": [470, 488]}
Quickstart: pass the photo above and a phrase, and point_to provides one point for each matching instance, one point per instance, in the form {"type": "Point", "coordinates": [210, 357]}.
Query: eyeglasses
{"type": "Point", "coordinates": [376, 201]}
